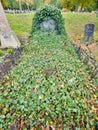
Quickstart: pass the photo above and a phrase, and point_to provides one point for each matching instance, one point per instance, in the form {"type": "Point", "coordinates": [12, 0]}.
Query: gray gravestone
{"type": "Point", "coordinates": [89, 31]}
{"type": "Point", "coordinates": [48, 25]}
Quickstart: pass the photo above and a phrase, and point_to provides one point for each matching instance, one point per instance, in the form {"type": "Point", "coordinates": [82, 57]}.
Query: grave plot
{"type": "Point", "coordinates": [49, 86]}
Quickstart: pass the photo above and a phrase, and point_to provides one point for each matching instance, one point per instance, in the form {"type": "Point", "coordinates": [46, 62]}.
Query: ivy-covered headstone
{"type": "Point", "coordinates": [48, 18]}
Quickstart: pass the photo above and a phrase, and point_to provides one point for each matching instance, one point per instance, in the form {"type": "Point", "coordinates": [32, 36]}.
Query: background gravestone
{"type": "Point", "coordinates": [48, 18]}
{"type": "Point", "coordinates": [89, 32]}
{"type": "Point", "coordinates": [7, 37]}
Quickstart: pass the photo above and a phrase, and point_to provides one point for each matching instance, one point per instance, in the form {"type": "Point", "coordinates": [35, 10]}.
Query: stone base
{"type": "Point", "coordinates": [87, 39]}
{"type": "Point", "coordinates": [9, 40]}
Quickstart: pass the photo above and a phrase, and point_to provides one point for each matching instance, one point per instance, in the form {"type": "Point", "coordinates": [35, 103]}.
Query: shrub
{"type": "Point", "coordinates": [10, 51]}
{"type": "Point", "coordinates": [44, 13]}
{"type": "Point", "coordinates": [1, 53]}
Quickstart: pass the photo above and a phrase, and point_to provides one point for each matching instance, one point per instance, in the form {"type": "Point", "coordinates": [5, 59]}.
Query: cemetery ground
{"type": "Point", "coordinates": [74, 23]}
{"type": "Point", "coordinates": [49, 85]}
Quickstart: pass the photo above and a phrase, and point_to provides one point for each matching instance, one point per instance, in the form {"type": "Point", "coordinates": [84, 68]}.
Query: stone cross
{"type": "Point", "coordinates": [7, 37]}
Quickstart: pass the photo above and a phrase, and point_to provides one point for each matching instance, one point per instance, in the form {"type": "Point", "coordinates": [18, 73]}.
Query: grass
{"type": "Point", "coordinates": [20, 23]}
{"type": "Point", "coordinates": [74, 24]}
{"type": "Point", "coordinates": [48, 86]}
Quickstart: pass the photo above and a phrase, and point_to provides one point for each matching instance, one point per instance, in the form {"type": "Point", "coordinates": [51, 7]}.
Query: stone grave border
{"type": "Point", "coordinates": [9, 62]}
{"type": "Point", "coordinates": [88, 59]}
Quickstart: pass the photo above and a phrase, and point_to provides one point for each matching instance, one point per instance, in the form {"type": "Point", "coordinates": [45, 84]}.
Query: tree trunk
{"type": "Point", "coordinates": [82, 6]}
{"type": "Point", "coordinates": [77, 5]}
{"type": "Point", "coordinates": [28, 6]}
{"type": "Point", "coordinates": [20, 6]}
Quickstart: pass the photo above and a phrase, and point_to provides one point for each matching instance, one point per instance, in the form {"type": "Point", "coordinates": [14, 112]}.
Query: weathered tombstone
{"type": "Point", "coordinates": [48, 25]}
{"type": "Point", "coordinates": [7, 37]}
{"type": "Point", "coordinates": [88, 33]}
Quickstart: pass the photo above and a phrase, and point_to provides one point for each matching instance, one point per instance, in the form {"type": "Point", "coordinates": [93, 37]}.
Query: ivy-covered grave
{"type": "Point", "coordinates": [48, 88]}
{"type": "Point", "coordinates": [48, 18]}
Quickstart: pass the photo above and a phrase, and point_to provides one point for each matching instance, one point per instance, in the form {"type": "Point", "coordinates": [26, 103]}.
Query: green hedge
{"type": "Point", "coordinates": [44, 13]}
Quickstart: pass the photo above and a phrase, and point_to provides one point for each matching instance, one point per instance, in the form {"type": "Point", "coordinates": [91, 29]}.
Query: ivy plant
{"type": "Point", "coordinates": [48, 86]}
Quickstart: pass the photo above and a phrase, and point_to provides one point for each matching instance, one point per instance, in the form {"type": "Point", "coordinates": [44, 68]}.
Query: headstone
{"type": "Point", "coordinates": [89, 31]}
{"type": "Point", "coordinates": [48, 25]}
{"type": "Point", "coordinates": [7, 37]}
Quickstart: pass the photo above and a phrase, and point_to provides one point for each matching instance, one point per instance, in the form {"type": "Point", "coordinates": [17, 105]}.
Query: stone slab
{"type": "Point", "coordinates": [7, 38]}
{"type": "Point", "coordinates": [48, 25]}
